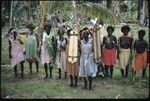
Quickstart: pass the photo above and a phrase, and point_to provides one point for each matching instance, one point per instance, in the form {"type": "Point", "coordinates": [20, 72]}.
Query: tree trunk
{"type": "Point", "coordinates": [144, 13]}
{"type": "Point", "coordinates": [139, 8]}
{"type": "Point", "coordinates": [109, 4]}
{"type": "Point", "coordinates": [115, 8]}
{"type": "Point", "coordinates": [29, 11]}
{"type": "Point", "coordinates": [11, 13]}
{"type": "Point", "coordinates": [43, 13]}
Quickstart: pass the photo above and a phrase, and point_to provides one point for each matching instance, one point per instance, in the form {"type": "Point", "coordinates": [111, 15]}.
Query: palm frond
{"type": "Point", "coordinates": [99, 11]}
{"type": "Point", "coordinates": [83, 10]}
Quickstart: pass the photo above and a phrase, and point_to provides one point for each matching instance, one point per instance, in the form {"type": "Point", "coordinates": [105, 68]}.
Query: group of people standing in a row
{"type": "Point", "coordinates": [51, 49]}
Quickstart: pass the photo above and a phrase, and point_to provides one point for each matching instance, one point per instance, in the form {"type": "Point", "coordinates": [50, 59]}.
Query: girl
{"type": "Point", "coordinates": [16, 53]}
{"type": "Point", "coordinates": [31, 49]}
{"type": "Point", "coordinates": [140, 46]}
{"type": "Point", "coordinates": [61, 53]}
{"type": "Point", "coordinates": [109, 51]}
{"type": "Point", "coordinates": [125, 43]}
{"type": "Point", "coordinates": [45, 46]}
{"type": "Point", "coordinates": [88, 67]}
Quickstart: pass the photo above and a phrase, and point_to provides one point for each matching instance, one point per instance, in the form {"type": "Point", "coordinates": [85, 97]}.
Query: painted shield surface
{"type": "Point", "coordinates": [73, 47]}
{"type": "Point", "coordinates": [97, 45]}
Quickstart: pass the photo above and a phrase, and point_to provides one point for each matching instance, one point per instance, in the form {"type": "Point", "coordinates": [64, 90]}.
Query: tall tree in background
{"type": "Point", "coordinates": [109, 4]}
{"type": "Point", "coordinates": [115, 8]}
{"type": "Point", "coordinates": [11, 14]}
{"type": "Point", "coordinates": [143, 12]}
{"type": "Point", "coordinates": [43, 13]}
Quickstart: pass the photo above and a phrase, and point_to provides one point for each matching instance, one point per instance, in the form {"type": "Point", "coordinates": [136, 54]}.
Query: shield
{"type": "Point", "coordinates": [97, 45]}
{"type": "Point", "coordinates": [22, 34]}
{"type": "Point", "coordinates": [73, 47]}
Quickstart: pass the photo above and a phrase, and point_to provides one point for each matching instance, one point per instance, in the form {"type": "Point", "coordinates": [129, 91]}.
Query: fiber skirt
{"type": "Point", "coordinates": [72, 69]}
{"type": "Point", "coordinates": [124, 58]}
{"type": "Point", "coordinates": [140, 61]}
{"type": "Point", "coordinates": [109, 56]}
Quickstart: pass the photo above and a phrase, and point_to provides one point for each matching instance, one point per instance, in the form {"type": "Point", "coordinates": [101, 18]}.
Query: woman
{"type": "Point", "coordinates": [125, 43]}
{"type": "Point", "coordinates": [72, 69]}
{"type": "Point", "coordinates": [88, 68]}
{"type": "Point", "coordinates": [16, 53]}
{"type": "Point", "coordinates": [31, 49]}
{"type": "Point", "coordinates": [45, 50]}
{"type": "Point", "coordinates": [61, 53]}
{"type": "Point", "coordinates": [140, 46]}
{"type": "Point", "coordinates": [109, 51]}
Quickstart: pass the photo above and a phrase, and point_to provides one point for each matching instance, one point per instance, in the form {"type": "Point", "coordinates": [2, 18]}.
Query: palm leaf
{"type": "Point", "coordinates": [84, 10]}
{"type": "Point", "coordinates": [97, 10]}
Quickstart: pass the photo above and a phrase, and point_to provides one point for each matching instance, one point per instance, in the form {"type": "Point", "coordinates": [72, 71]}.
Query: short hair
{"type": "Point", "coordinates": [10, 30]}
{"type": "Point", "coordinates": [110, 27]}
{"type": "Point", "coordinates": [85, 28]}
{"type": "Point", "coordinates": [68, 31]}
{"type": "Point", "coordinates": [30, 26]}
{"type": "Point", "coordinates": [100, 22]}
{"type": "Point", "coordinates": [126, 27]}
{"type": "Point", "coordinates": [141, 32]}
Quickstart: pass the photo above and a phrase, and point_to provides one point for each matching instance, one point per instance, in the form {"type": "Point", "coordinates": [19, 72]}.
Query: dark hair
{"type": "Point", "coordinates": [68, 32]}
{"type": "Point", "coordinates": [141, 32]}
{"type": "Point", "coordinates": [110, 28]}
{"type": "Point", "coordinates": [126, 27]}
{"type": "Point", "coordinates": [85, 28]}
{"type": "Point", "coordinates": [10, 30]}
{"type": "Point", "coordinates": [100, 22]}
{"type": "Point", "coordinates": [30, 27]}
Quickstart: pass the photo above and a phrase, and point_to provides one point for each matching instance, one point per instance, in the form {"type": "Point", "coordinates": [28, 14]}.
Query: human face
{"type": "Point", "coordinates": [110, 32]}
{"type": "Point", "coordinates": [85, 35]}
{"type": "Point", "coordinates": [140, 36]}
{"type": "Point", "coordinates": [126, 32]}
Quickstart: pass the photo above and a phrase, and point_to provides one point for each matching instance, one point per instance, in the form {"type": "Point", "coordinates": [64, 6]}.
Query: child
{"type": "Point", "coordinates": [125, 43]}
{"type": "Point", "coordinates": [61, 53]}
{"type": "Point", "coordinates": [45, 46]}
{"type": "Point", "coordinates": [16, 53]}
{"type": "Point", "coordinates": [31, 49]}
{"type": "Point", "coordinates": [140, 46]}
{"type": "Point", "coordinates": [109, 51]}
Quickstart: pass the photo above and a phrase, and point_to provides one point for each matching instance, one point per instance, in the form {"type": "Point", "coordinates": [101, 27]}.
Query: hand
{"type": "Point", "coordinates": [24, 53]}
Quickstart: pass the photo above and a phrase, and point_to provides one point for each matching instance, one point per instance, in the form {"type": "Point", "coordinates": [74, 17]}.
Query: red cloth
{"type": "Point", "coordinates": [109, 56]}
{"type": "Point", "coordinates": [140, 61]}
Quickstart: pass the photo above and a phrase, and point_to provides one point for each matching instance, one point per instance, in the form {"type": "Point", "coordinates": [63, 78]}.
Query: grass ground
{"type": "Point", "coordinates": [33, 86]}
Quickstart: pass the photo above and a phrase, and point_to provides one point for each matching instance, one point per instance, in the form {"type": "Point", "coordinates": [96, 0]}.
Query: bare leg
{"type": "Point", "coordinates": [46, 71]}
{"type": "Point", "coordinates": [15, 70]}
{"type": "Point", "coordinates": [37, 66]}
{"type": "Point", "coordinates": [111, 71]}
{"type": "Point", "coordinates": [22, 69]}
